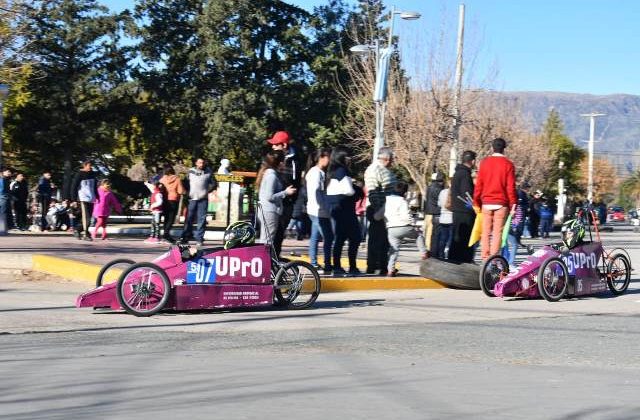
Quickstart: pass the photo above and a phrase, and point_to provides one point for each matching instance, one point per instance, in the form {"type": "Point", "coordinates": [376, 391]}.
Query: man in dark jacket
{"type": "Point", "coordinates": [290, 175]}
{"type": "Point", "coordinates": [431, 208]}
{"type": "Point", "coordinates": [44, 197]}
{"type": "Point", "coordinates": [84, 190]}
{"type": "Point", "coordinates": [20, 196]}
{"type": "Point", "coordinates": [463, 214]}
{"type": "Point", "coordinates": [6, 219]}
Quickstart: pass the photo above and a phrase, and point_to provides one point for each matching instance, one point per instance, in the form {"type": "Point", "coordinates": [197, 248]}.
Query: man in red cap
{"type": "Point", "coordinates": [290, 175]}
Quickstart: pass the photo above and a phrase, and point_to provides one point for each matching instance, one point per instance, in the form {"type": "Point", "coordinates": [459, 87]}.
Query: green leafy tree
{"type": "Point", "coordinates": [562, 149]}
{"type": "Point", "coordinates": [67, 112]}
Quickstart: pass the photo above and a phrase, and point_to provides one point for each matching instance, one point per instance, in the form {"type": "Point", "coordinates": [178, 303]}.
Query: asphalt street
{"type": "Point", "coordinates": [395, 354]}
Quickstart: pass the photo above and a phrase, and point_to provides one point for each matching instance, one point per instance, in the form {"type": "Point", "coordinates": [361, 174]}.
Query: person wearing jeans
{"type": "Point", "coordinates": [84, 190]}
{"type": "Point", "coordinates": [318, 210]}
{"type": "Point", "coordinates": [201, 183]}
{"type": "Point", "coordinates": [173, 185]}
{"type": "Point", "coordinates": [495, 194]}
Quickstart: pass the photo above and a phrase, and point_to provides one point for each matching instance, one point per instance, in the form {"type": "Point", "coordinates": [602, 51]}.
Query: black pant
{"type": "Point", "coordinates": [462, 226]}
{"type": "Point", "coordinates": [44, 202]}
{"type": "Point", "coordinates": [20, 208]}
{"type": "Point", "coordinates": [9, 213]}
{"type": "Point", "coordinates": [170, 211]}
{"type": "Point", "coordinates": [346, 227]}
{"type": "Point", "coordinates": [283, 222]}
{"type": "Point", "coordinates": [377, 243]}
{"type": "Point", "coordinates": [86, 212]}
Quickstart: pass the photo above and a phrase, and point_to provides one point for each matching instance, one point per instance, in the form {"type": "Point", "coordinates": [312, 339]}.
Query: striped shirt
{"type": "Point", "coordinates": [379, 181]}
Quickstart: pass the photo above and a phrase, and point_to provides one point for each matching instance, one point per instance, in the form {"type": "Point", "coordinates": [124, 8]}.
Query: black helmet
{"type": "Point", "coordinates": [573, 232]}
{"type": "Point", "coordinates": [239, 233]}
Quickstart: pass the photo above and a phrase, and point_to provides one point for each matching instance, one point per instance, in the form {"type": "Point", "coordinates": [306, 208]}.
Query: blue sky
{"type": "Point", "coordinates": [583, 46]}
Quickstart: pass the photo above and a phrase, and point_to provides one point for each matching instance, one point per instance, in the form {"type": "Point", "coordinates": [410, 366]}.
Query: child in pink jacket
{"type": "Point", "coordinates": [102, 207]}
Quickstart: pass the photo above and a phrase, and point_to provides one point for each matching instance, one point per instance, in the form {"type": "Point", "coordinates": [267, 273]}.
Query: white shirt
{"type": "Point", "coordinates": [316, 193]}
{"type": "Point", "coordinates": [396, 212]}
{"type": "Point", "coordinates": [446, 216]}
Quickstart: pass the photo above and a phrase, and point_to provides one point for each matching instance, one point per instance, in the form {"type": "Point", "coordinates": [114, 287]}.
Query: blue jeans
{"type": "Point", "coordinates": [510, 250]}
{"type": "Point", "coordinates": [321, 226]}
{"type": "Point", "coordinates": [197, 211]}
{"type": "Point", "coordinates": [4, 207]}
{"type": "Point", "coordinates": [444, 235]}
{"type": "Point", "coordinates": [545, 227]}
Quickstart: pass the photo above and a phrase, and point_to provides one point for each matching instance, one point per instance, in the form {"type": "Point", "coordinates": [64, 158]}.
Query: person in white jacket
{"type": "Point", "coordinates": [399, 224]}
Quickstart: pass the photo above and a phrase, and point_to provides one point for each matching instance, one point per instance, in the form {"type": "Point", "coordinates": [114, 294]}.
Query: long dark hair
{"type": "Point", "coordinates": [339, 159]}
{"type": "Point", "coordinates": [272, 159]}
{"type": "Point", "coordinates": [315, 156]}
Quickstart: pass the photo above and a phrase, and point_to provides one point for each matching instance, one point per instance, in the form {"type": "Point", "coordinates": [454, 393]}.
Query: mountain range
{"type": "Point", "coordinates": [617, 134]}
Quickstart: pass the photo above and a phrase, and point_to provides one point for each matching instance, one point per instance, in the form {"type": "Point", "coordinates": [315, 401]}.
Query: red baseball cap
{"type": "Point", "coordinates": [280, 137]}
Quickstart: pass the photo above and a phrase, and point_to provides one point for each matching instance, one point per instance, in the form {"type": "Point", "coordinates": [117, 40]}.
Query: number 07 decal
{"type": "Point", "coordinates": [201, 271]}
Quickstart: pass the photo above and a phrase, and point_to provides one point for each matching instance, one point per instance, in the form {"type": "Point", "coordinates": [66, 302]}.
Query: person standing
{"type": "Point", "coordinates": [5, 200]}
{"type": "Point", "coordinates": [399, 222]}
{"type": "Point", "coordinates": [342, 197]}
{"type": "Point", "coordinates": [444, 228]}
{"type": "Point", "coordinates": [431, 208]}
{"type": "Point", "coordinates": [463, 214]}
{"type": "Point", "coordinates": [271, 194]}
{"type": "Point", "coordinates": [534, 213]}
{"type": "Point", "coordinates": [495, 194]}
{"type": "Point", "coordinates": [318, 210]}
{"type": "Point", "coordinates": [379, 182]}
{"type": "Point", "coordinates": [104, 204]}
{"type": "Point", "coordinates": [84, 189]}
{"type": "Point", "coordinates": [20, 194]}
{"type": "Point", "coordinates": [201, 183]}
{"type": "Point", "coordinates": [156, 205]}
{"type": "Point", "coordinates": [175, 190]}
{"type": "Point", "coordinates": [290, 175]}
{"type": "Point", "coordinates": [44, 197]}
{"type": "Point", "coordinates": [546, 219]}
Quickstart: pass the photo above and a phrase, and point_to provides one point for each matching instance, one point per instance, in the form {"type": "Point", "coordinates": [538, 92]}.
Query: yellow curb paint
{"type": "Point", "coordinates": [378, 283]}
{"type": "Point", "coordinates": [344, 262]}
{"type": "Point", "coordinates": [69, 269]}
{"type": "Point", "coordinates": [87, 273]}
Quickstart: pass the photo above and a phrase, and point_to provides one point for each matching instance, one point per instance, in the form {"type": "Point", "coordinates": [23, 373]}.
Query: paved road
{"type": "Point", "coordinates": [406, 354]}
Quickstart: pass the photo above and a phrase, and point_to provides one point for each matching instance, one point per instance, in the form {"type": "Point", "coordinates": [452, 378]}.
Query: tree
{"type": "Point", "coordinates": [67, 113]}
{"type": "Point", "coordinates": [605, 180]}
{"type": "Point", "coordinates": [562, 149]}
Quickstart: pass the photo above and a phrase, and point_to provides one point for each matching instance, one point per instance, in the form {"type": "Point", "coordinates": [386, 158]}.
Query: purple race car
{"type": "Point", "coordinates": [571, 268]}
{"type": "Point", "coordinates": [184, 278]}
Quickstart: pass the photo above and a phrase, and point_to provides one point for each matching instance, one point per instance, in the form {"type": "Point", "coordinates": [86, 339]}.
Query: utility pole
{"type": "Point", "coordinates": [453, 155]}
{"type": "Point", "coordinates": [592, 129]}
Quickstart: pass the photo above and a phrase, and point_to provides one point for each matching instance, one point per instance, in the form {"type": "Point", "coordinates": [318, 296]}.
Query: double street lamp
{"type": "Point", "coordinates": [4, 92]}
{"type": "Point", "coordinates": [383, 58]}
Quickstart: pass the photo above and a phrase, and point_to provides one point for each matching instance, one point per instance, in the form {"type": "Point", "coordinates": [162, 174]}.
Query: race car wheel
{"type": "Point", "coordinates": [493, 270]}
{"type": "Point", "coordinates": [143, 289]}
{"type": "Point", "coordinates": [553, 279]}
{"type": "Point", "coordinates": [105, 273]}
{"type": "Point", "coordinates": [618, 274]}
{"type": "Point", "coordinates": [297, 285]}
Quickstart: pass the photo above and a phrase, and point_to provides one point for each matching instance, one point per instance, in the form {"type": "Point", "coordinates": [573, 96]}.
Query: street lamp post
{"type": "Point", "coordinates": [4, 92]}
{"type": "Point", "coordinates": [383, 58]}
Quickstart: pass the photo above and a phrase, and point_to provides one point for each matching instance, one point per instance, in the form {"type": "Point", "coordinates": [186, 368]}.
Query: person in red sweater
{"type": "Point", "coordinates": [495, 194]}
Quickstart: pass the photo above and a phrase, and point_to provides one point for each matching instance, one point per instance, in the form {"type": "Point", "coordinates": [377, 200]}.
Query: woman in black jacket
{"type": "Point", "coordinates": [341, 197]}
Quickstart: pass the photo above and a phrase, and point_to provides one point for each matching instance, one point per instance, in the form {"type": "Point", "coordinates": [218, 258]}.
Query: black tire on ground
{"type": "Point", "coordinates": [108, 266]}
{"type": "Point", "coordinates": [491, 272]}
{"type": "Point", "coordinates": [451, 274]}
{"type": "Point", "coordinates": [297, 285]}
{"type": "Point", "coordinates": [160, 301]}
{"type": "Point", "coordinates": [552, 284]}
{"type": "Point", "coordinates": [618, 274]}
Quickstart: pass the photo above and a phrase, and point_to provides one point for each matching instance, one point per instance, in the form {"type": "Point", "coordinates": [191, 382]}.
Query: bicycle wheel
{"type": "Point", "coordinates": [493, 270]}
{"type": "Point", "coordinates": [297, 285]}
{"type": "Point", "coordinates": [105, 273]}
{"type": "Point", "coordinates": [618, 274]}
{"type": "Point", "coordinates": [143, 289]}
{"type": "Point", "coordinates": [553, 279]}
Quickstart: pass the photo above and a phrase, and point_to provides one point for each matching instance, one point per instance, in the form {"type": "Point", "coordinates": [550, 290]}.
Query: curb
{"type": "Point", "coordinates": [87, 273]}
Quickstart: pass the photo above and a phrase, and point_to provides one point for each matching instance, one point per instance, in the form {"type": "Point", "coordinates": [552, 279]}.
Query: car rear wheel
{"type": "Point", "coordinates": [297, 285]}
{"type": "Point", "coordinates": [618, 274]}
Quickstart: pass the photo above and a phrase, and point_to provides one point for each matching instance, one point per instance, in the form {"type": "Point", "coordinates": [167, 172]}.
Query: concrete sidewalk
{"type": "Point", "coordinates": [63, 255]}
